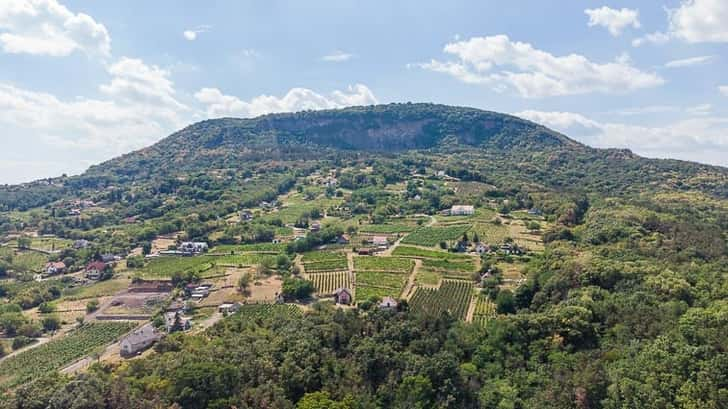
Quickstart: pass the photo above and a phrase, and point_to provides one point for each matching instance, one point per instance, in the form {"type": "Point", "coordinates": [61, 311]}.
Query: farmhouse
{"type": "Point", "coordinates": [462, 210]}
{"type": "Point", "coordinates": [380, 241]}
{"type": "Point", "coordinates": [80, 244]}
{"type": "Point", "coordinates": [174, 321]}
{"type": "Point", "coordinates": [343, 239]}
{"type": "Point", "coordinates": [343, 296]}
{"type": "Point", "coordinates": [139, 340]}
{"type": "Point", "coordinates": [54, 268]}
{"type": "Point", "coordinates": [228, 308]}
{"type": "Point", "coordinates": [388, 303]}
{"type": "Point", "coordinates": [94, 270]}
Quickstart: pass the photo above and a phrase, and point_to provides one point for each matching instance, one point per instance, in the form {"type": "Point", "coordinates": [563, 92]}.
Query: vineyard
{"type": "Point", "coordinates": [484, 310]}
{"type": "Point", "coordinates": [60, 352]}
{"type": "Point", "coordinates": [379, 284]}
{"type": "Point", "coordinates": [393, 264]}
{"type": "Point", "coordinates": [253, 311]}
{"type": "Point", "coordinates": [453, 296]}
{"type": "Point", "coordinates": [327, 283]}
{"type": "Point", "coordinates": [324, 261]}
{"type": "Point", "coordinates": [416, 252]}
{"type": "Point", "coordinates": [431, 236]}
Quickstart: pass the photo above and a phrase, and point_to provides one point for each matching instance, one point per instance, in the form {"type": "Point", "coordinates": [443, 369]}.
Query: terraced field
{"type": "Point", "coordinates": [386, 228]}
{"type": "Point", "coordinates": [416, 252]}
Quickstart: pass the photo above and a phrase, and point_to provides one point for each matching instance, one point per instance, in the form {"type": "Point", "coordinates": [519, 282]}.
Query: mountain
{"type": "Point", "coordinates": [375, 129]}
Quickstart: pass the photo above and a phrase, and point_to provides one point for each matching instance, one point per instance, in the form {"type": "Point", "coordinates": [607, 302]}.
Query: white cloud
{"type": "Point", "coordinates": [694, 21]}
{"type": "Point", "coordinates": [337, 56]}
{"type": "Point", "coordinates": [723, 89]}
{"type": "Point", "coordinates": [297, 99]}
{"type": "Point", "coordinates": [703, 139]}
{"type": "Point", "coordinates": [698, 21]}
{"type": "Point", "coordinates": [653, 38]}
{"type": "Point", "coordinates": [139, 107]}
{"type": "Point", "coordinates": [191, 34]}
{"type": "Point", "coordinates": [702, 109]}
{"type": "Point", "coordinates": [500, 63]}
{"type": "Point", "coordinates": [612, 19]}
{"type": "Point", "coordinates": [45, 27]}
{"type": "Point", "coordinates": [689, 62]}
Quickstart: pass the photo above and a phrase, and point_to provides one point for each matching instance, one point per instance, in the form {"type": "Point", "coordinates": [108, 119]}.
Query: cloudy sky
{"type": "Point", "coordinates": [84, 81]}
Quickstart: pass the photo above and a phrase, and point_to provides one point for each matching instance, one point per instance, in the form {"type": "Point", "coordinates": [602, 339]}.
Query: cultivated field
{"type": "Point", "coordinates": [327, 283]}
{"type": "Point", "coordinates": [453, 297]}
{"type": "Point", "coordinates": [431, 236]}
{"type": "Point", "coordinates": [59, 352]}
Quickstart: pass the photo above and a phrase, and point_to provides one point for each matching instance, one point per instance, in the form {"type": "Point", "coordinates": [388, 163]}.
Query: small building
{"type": "Point", "coordinates": [343, 239]}
{"type": "Point", "coordinates": [192, 247]}
{"type": "Point", "coordinates": [315, 226]}
{"type": "Point", "coordinates": [246, 215]}
{"type": "Point", "coordinates": [80, 244]}
{"type": "Point", "coordinates": [343, 296]}
{"type": "Point", "coordinates": [94, 270]}
{"type": "Point", "coordinates": [366, 252]}
{"type": "Point", "coordinates": [139, 340]}
{"type": "Point", "coordinates": [462, 210]}
{"type": "Point", "coordinates": [380, 241]}
{"type": "Point", "coordinates": [388, 303]}
{"type": "Point", "coordinates": [481, 248]}
{"type": "Point", "coordinates": [174, 321]}
{"type": "Point", "coordinates": [108, 258]}
{"type": "Point", "coordinates": [228, 308]}
{"type": "Point", "coordinates": [54, 268]}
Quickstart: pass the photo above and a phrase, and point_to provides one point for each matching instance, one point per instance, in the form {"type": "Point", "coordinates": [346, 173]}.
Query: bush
{"type": "Point", "coordinates": [92, 306]}
{"type": "Point", "coordinates": [21, 341]}
{"type": "Point", "coordinates": [297, 288]}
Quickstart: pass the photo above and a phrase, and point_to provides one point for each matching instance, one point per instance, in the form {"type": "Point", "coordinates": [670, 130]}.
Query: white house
{"type": "Point", "coordinates": [380, 241]}
{"type": "Point", "coordinates": [192, 247]}
{"type": "Point", "coordinates": [139, 340]}
{"type": "Point", "coordinates": [462, 210]}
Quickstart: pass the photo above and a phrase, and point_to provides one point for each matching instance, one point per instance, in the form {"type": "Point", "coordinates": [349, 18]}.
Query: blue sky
{"type": "Point", "coordinates": [83, 81]}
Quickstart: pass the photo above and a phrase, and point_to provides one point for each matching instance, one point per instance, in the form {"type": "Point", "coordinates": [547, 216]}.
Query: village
{"type": "Point", "coordinates": [454, 261]}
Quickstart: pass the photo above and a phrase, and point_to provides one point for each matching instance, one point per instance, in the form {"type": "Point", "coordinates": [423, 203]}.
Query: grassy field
{"type": "Point", "coordinates": [324, 261]}
{"type": "Point", "coordinates": [366, 293]}
{"type": "Point", "coordinates": [50, 243]}
{"type": "Point", "coordinates": [60, 352]}
{"type": "Point", "coordinates": [167, 266]}
{"type": "Point", "coordinates": [448, 265]}
{"type": "Point", "coordinates": [393, 264]}
{"type": "Point", "coordinates": [98, 289]}
{"type": "Point", "coordinates": [431, 236]}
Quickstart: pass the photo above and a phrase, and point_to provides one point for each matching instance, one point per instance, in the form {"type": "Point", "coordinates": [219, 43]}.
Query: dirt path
{"type": "Point", "coordinates": [407, 292]}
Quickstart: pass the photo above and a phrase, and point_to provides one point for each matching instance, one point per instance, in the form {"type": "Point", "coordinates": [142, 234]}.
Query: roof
{"type": "Point", "coordinates": [380, 239]}
{"type": "Point", "coordinates": [58, 264]}
{"type": "Point", "coordinates": [388, 302]}
{"type": "Point", "coordinates": [342, 290]}
{"type": "Point", "coordinates": [463, 207]}
{"type": "Point", "coordinates": [96, 265]}
{"type": "Point", "coordinates": [143, 335]}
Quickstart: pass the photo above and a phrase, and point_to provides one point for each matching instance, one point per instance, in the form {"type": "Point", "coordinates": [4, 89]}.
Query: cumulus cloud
{"type": "Point", "coordinates": [699, 21]}
{"type": "Point", "coordinates": [723, 89]}
{"type": "Point", "coordinates": [703, 139]}
{"type": "Point", "coordinates": [500, 63]}
{"type": "Point", "coordinates": [337, 56]}
{"type": "Point", "coordinates": [45, 27]}
{"type": "Point", "coordinates": [612, 19]}
{"type": "Point", "coordinates": [191, 34]}
{"type": "Point", "coordinates": [689, 62]}
{"type": "Point", "coordinates": [297, 99]}
{"type": "Point", "coordinates": [694, 21]}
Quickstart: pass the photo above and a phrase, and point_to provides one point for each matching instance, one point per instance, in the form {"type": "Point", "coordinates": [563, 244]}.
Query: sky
{"type": "Point", "coordinates": [85, 81]}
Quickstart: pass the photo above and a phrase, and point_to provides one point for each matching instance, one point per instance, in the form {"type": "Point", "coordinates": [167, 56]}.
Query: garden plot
{"type": "Point", "coordinates": [453, 296]}
{"type": "Point", "coordinates": [390, 264]}
{"type": "Point", "coordinates": [320, 261]}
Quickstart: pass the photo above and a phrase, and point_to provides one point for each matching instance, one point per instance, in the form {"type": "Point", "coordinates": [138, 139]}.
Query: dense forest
{"type": "Point", "coordinates": [624, 306]}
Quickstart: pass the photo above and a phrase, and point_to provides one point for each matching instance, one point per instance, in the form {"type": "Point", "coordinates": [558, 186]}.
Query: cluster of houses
{"type": "Point", "coordinates": [343, 296]}
{"type": "Point", "coordinates": [187, 248]}
{"type": "Point", "coordinates": [197, 292]}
